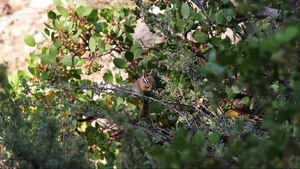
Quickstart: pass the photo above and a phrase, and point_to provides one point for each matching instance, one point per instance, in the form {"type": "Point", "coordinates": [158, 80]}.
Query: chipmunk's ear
{"type": "Point", "coordinates": [151, 73]}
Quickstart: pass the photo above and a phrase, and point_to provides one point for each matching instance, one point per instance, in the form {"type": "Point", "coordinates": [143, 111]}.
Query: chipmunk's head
{"type": "Point", "coordinates": [145, 84]}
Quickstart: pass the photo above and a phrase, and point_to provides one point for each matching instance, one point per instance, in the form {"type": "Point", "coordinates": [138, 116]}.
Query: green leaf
{"type": "Point", "coordinates": [83, 11]}
{"type": "Point", "coordinates": [14, 80]}
{"type": "Point", "coordinates": [120, 63]}
{"type": "Point", "coordinates": [225, 1]}
{"type": "Point", "coordinates": [200, 36]}
{"type": "Point", "coordinates": [45, 75]}
{"type": "Point", "coordinates": [62, 11]}
{"type": "Point", "coordinates": [219, 16]}
{"type": "Point", "coordinates": [129, 29]}
{"type": "Point", "coordinates": [58, 3]}
{"type": "Point", "coordinates": [58, 44]}
{"type": "Point", "coordinates": [212, 55]}
{"type": "Point", "coordinates": [129, 56]}
{"type": "Point", "coordinates": [53, 51]}
{"type": "Point", "coordinates": [108, 77]}
{"type": "Point", "coordinates": [288, 34]}
{"type": "Point", "coordinates": [236, 89]}
{"type": "Point", "coordinates": [180, 25]}
{"type": "Point", "coordinates": [137, 50]}
{"type": "Point", "coordinates": [101, 46]}
{"type": "Point", "coordinates": [51, 15]}
{"type": "Point", "coordinates": [29, 40]}
{"type": "Point", "coordinates": [47, 59]}
{"type": "Point", "coordinates": [68, 26]}
{"type": "Point", "coordinates": [155, 108]}
{"type": "Point", "coordinates": [47, 32]}
{"type": "Point", "coordinates": [51, 57]}
{"type": "Point", "coordinates": [213, 68]}
{"type": "Point", "coordinates": [94, 15]}
{"type": "Point", "coordinates": [99, 27]}
{"type": "Point", "coordinates": [245, 100]}
{"type": "Point", "coordinates": [34, 71]}
{"type": "Point", "coordinates": [270, 45]}
{"type": "Point", "coordinates": [57, 24]}
{"type": "Point", "coordinates": [185, 10]}
{"type": "Point", "coordinates": [24, 74]}
{"type": "Point", "coordinates": [214, 138]}
{"type": "Point", "coordinates": [92, 43]}
{"type": "Point", "coordinates": [69, 61]}
{"type": "Point", "coordinates": [216, 41]}
{"type": "Point", "coordinates": [200, 138]}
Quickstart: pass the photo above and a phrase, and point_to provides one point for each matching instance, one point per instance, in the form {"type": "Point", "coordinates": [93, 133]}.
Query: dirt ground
{"type": "Point", "coordinates": [21, 17]}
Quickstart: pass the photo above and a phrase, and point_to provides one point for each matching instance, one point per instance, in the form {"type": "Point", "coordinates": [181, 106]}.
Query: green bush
{"type": "Point", "coordinates": [220, 102]}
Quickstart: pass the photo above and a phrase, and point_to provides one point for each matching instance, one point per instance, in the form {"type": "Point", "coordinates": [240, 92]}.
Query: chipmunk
{"type": "Point", "coordinates": [144, 85]}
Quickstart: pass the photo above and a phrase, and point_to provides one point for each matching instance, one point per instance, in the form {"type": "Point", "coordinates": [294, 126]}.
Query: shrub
{"type": "Point", "coordinates": [220, 101]}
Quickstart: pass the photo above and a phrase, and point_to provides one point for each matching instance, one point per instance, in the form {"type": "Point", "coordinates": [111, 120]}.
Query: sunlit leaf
{"type": "Point", "coordinates": [83, 11]}
{"type": "Point", "coordinates": [232, 113]}
{"type": "Point", "coordinates": [53, 51]}
{"type": "Point", "coordinates": [58, 2]}
{"type": "Point", "coordinates": [92, 43]}
{"type": "Point", "coordinates": [69, 60]}
{"type": "Point", "coordinates": [29, 40]}
{"type": "Point", "coordinates": [108, 77]}
{"type": "Point", "coordinates": [47, 59]}
{"type": "Point", "coordinates": [137, 50]}
{"type": "Point", "coordinates": [101, 46]}
{"type": "Point", "coordinates": [245, 100]}
{"type": "Point", "coordinates": [62, 11]}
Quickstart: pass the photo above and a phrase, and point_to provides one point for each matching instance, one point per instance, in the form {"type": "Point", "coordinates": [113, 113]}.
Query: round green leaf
{"type": "Point", "coordinates": [200, 138]}
{"type": "Point", "coordinates": [92, 43]}
{"type": "Point", "coordinates": [120, 63]}
{"type": "Point", "coordinates": [129, 56]}
{"type": "Point", "coordinates": [62, 11]}
{"type": "Point", "coordinates": [185, 10]}
{"type": "Point", "coordinates": [58, 2]}
{"type": "Point", "coordinates": [108, 77]}
{"type": "Point", "coordinates": [245, 100]}
{"type": "Point", "coordinates": [47, 59]}
{"type": "Point", "coordinates": [137, 50]}
{"type": "Point", "coordinates": [53, 51]}
{"type": "Point", "coordinates": [51, 15]}
{"type": "Point", "coordinates": [219, 16]}
{"type": "Point", "coordinates": [29, 40]}
{"type": "Point", "coordinates": [69, 61]}
{"type": "Point", "coordinates": [200, 36]}
{"type": "Point", "coordinates": [83, 11]}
